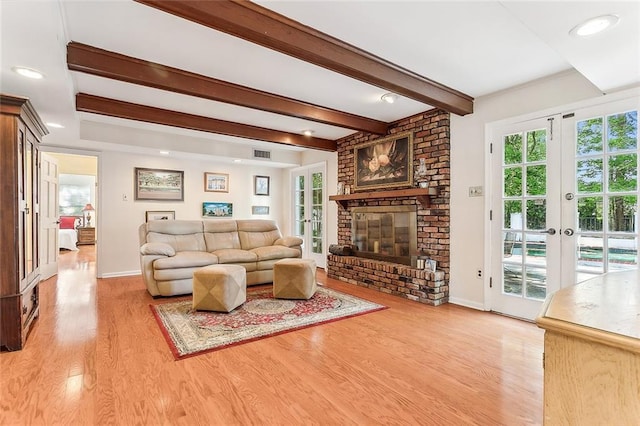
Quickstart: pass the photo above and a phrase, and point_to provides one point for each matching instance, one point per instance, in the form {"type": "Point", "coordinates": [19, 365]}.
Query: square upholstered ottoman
{"type": "Point", "coordinates": [220, 288]}
{"type": "Point", "coordinates": [294, 279]}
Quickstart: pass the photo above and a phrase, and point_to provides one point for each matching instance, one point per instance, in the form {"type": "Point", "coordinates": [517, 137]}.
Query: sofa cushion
{"type": "Point", "coordinates": [275, 252]}
{"type": "Point", "coordinates": [257, 233]}
{"type": "Point", "coordinates": [174, 274]}
{"type": "Point", "coordinates": [235, 256]}
{"type": "Point", "coordinates": [288, 241]}
{"type": "Point", "coordinates": [157, 249]}
{"type": "Point", "coordinates": [186, 259]}
{"type": "Point", "coordinates": [221, 234]}
{"type": "Point", "coordinates": [187, 242]}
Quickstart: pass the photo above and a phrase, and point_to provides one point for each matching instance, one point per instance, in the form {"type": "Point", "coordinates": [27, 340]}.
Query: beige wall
{"type": "Point", "coordinates": [76, 164]}
{"type": "Point", "coordinates": [120, 215]}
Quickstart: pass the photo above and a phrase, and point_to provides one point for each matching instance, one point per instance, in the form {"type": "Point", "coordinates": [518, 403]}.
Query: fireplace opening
{"type": "Point", "coordinates": [387, 233]}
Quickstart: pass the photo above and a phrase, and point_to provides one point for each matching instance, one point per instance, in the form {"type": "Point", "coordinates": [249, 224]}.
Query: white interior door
{"type": "Point", "coordinates": [309, 213]}
{"type": "Point", "coordinates": [49, 216]}
{"type": "Point", "coordinates": [526, 215]}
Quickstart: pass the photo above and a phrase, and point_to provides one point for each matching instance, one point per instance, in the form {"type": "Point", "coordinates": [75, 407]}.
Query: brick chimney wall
{"type": "Point", "coordinates": [431, 141]}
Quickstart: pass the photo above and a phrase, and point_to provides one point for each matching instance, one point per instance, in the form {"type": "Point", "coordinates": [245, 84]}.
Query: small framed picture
{"type": "Point", "coordinates": [261, 185]}
{"type": "Point", "coordinates": [217, 209]}
{"type": "Point", "coordinates": [216, 182]}
{"type": "Point", "coordinates": [431, 265]}
{"type": "Point", "coordinates": [260, 210]}
{"type": "Point", "coordinates": [160, 215]}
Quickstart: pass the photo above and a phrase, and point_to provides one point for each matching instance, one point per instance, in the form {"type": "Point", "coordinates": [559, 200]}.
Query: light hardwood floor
{"type": "Point", "coordinates": [96, 357]}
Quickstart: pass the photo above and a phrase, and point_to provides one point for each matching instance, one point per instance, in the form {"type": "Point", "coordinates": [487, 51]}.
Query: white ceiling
{"type": "Point", "coordinates": [476, 47]}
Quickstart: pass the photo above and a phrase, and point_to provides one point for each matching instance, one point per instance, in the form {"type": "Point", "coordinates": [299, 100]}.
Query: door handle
{"type": "Point", "coordinates": [550, 231]}
{"type": "Point", "coordinates": [568, 232]}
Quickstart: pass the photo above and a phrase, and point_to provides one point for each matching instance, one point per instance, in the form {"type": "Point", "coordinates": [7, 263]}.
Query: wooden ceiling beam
{"type": "Point", "coordinates": [262, 26]}
{"type": "Point", "coordinates": [103, 63]}
{"type": "Point", "coordinates": [120, 109]}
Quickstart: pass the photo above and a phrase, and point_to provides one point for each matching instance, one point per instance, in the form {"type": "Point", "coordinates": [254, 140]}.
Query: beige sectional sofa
{"type": "Point", "coordinates": [171, 250]}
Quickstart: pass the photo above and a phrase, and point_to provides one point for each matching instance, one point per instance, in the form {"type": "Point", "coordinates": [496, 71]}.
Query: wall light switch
{"type": "Point", "coordinates": [475, 191]}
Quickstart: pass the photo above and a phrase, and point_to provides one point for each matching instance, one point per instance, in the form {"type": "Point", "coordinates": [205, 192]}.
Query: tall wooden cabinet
{"type": "Point", "coordinates": [21, 131]}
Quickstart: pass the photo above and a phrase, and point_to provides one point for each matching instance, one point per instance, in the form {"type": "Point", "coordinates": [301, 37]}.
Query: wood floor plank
{"type": "Point", "coordinates": [97, 356]}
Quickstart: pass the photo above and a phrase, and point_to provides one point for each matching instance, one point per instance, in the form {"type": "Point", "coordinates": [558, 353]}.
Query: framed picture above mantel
{"type": "Point", "coordinates": [384, 163]}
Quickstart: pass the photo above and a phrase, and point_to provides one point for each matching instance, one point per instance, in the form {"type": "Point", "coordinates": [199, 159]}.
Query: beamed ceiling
{"type": "Point", "coordinates": [266, 28]}
{"type": "Point", "coordinates": [217, 78]}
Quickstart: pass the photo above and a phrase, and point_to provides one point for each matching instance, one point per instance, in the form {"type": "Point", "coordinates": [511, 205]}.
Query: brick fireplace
{"type": "Point", "coordinates": [431, 143]}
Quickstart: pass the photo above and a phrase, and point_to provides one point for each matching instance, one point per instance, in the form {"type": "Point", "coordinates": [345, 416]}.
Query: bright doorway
{"type": "Point", "coordinates": [68, 191]}
{"type": "Point", "coordinates": [309, 213]}
{"type": "Point", "coordinates": [564, 203]}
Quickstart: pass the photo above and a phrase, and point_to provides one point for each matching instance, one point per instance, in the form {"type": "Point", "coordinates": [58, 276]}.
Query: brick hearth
{"type": "Point", "coordinates": [431, 142]}
{"type": "Point", "coordinates": [392, 278]}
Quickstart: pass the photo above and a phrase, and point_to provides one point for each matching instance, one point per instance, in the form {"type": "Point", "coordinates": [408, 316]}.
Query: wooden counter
{"type": "Point", "coordinates": [592, 352]}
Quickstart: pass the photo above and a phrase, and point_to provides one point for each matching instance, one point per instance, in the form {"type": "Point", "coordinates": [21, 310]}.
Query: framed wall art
{"type": "Point", "coordinates": [384, 163]}
{"type": "Point", "coordinates": [217, 209]}
{"type": "Point", "coordinates": [216, 182]}
{"type": "Point", "coordinates": [160, 215]}
{"type": "Point", "coordinates": [261, 185]}
{"type": "Point", "coordinates": [158, 184]}
{"type": "Point", "coordinates": [260, 210]}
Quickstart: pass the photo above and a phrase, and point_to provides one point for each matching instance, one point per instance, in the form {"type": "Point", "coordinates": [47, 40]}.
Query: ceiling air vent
{"type": "Point", "coordinates": [263, 155]}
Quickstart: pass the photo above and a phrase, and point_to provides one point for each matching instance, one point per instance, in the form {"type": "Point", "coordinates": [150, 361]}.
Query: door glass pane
{"type": "Point", "coordinates": [589, 174]}
{"type": "Point", "coordinates": [590, 254]}
{"type": "Point", "coordinates": [536, 180]}
{"type": "Point", "coordinates": [513, 149]}
{"type": "Point", "coordinates": [589, 134]}
{"type": "Point", "coordinates": [512, 279]}
{"type": "Point", "coordinates": [622, 213]}
{"type": "Point", "coordinates": [536, 214]}
{"type": "Point", "coordinates": [513, 181]}
{"type": "Point", "coordinates": [536, 145]}
{"type": "Point", "coordinates": [622, 253]}
{"type": "Point", "coordinates": [623, 131]}
{"type": "Point", "coordinates": [513, 214]}
{"type": "Point", "coordinates": [623, 172]}
{"type": "Point", "coordinates": [536, 282]}
{"type": "Point", "coordinates": [590, 214]}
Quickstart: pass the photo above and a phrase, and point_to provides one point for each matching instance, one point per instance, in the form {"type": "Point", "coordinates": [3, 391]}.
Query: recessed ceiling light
{"type": "Point", "coordinates": [237, 160]}
{"type": "Point", "coordinates": [55, 125]}
{"type": "Point", "coordinates": [308, 132]}
{"type": "Point", "coordinates": [594, 25]}
{"type": "Point", "coordinates": [28, 72]}
{"type": "Point", "coordinates": [389, 97]}
{"type": "Point", "coordinates": [164, 152]}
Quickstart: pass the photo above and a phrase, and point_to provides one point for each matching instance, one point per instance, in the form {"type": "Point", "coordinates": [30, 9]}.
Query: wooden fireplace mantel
{"type": "Point", "coordinates": [423, 195]}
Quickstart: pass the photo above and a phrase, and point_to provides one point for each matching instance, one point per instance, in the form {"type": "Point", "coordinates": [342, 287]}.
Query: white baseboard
{"type": "Point", "coordinates": [120, 274]}
{"type": "Point", "coordinates": [467, 303]}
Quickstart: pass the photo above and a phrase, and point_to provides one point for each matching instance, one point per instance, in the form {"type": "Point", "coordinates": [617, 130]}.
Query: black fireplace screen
{"type": "Point", "coordinates": [385, 233]}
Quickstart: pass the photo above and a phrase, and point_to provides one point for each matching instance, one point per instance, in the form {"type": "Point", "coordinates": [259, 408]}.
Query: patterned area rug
{"type": "Point", "coordinates": [190, 332]}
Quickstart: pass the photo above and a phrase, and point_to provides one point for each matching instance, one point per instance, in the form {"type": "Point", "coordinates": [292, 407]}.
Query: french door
{"type": "Point", "coordinates": [564, 203]}
{"type": "Point", "coordinates": [308, 195]}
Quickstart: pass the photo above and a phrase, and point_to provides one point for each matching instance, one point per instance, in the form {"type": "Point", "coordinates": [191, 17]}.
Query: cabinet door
{"type": "Point", "coordinates": [30, 211]}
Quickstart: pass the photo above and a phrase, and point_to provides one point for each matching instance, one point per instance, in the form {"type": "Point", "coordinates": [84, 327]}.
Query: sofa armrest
{"type": "Point", "coordinates": [159, 249]}
{"type": "Point", "coordinates": [288, 241]}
